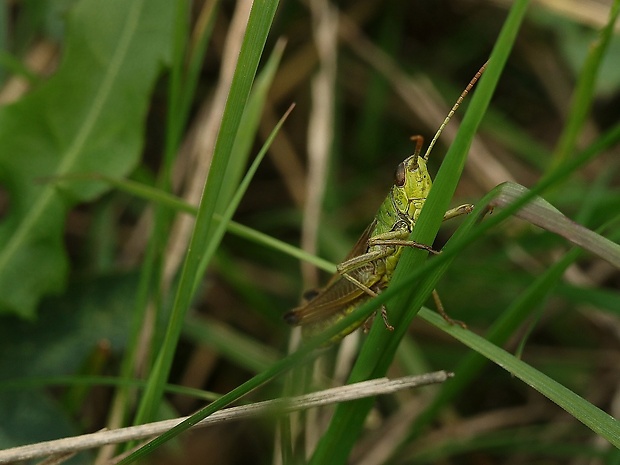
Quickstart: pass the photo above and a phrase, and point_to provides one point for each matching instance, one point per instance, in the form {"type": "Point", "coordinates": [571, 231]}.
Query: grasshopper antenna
{"type": "Point", "coordinates": [454, 108]}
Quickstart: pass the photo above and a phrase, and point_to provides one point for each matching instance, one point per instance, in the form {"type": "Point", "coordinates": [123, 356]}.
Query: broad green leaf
{"type": "Point", "coordinates": [87, 118]}
{"type": "Point", "coordinates": [68, 331]}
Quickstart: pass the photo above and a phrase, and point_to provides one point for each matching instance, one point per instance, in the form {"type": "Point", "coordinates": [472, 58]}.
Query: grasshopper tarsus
{"type": "Point", "coordinates": [442, 312]}
{"type": "Point", "coordinates": [368, 323]}
{"type": "Point", "coordinates": [384, 315]}
{"type": "Point", "coordinates": [462, 324]}
{"type": "Point", "coordinates": [452, 321]}
{"type": "Point", "coordinates": [465, 209]}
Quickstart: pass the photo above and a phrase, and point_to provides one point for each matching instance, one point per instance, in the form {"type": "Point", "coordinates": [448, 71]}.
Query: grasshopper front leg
{"type": "Point", "coordinates": [389, 239]}
{"type": "Point", "coordinates": [399, 238]}
{"type": "Point", "coordinates": [464, 209]}
{"type": "Point", "coordinates": [393, 238]}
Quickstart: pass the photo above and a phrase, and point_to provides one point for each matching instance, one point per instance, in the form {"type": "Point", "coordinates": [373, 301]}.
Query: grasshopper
{"type": "Point", "coordinates": [369, 266]}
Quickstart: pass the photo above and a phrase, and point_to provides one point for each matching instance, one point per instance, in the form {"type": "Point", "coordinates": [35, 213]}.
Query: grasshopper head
{"type": "Point", "coordinates": [411, 186]}
{"type": "Point", "coordinates": [412, 182]}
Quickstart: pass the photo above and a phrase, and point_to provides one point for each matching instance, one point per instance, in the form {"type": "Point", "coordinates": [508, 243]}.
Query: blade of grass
{"type": "Point", "coordinates": [303, 355]}
{"type": "Point", "coordinates": [172, 202]}
{"type": "Point", "coordinates": [259, 23]}
{"type": "Point", "coordinates": [249, 125]}
{"type": "Point", "coordinates": [598, 421]}
{"type": "Point", "coordinates": [233, 203]}
{"type": "Point", "coordinates": [230, 344]}
{"type": "Point", "coordinates": [359, 314]}
{"type": "Point", "coordinates": [151, 270]}
{"type": "Point", "coordinates": [378, 350]}
{"type": "Point", "coordinates": [449, 174]}
{"type": "Point", "coordinates": [584, 92]}
{"type": "Point", "coordinates": [498, 334]}
{"type": "Point", "coordinates": [182, 86]}
{"type": "Point", "coordinates": [225, 219]}
{"type": "Point", "coordinates": [533, 297]}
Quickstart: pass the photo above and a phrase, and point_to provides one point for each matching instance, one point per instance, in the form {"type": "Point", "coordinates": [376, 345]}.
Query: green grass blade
{"type": "Point", "coordinates": [248, 126]}
{"type": "Point", "coordinates": [511, 318]}
{"type": "Point", "coordinates": [584, 92]}
{"type": "Point", "coordinates": [233, 203]}
{"type": "Point", "coordinates": [230, 343]}
{"type": "Point", "coordinates": [177, 204]}
{"type": "Point", "coordinates": [149, 288]}
{"type": "Point", "coordinates": [447, 178]}
{"type": "Point", "coordinates": [594, 418]}
{"type": "Point", "coordinates": [378, 351]}
{"type": "Point", "coordinates": [259, 23]}
{"type": "Point", "coordinates": [498, 334]}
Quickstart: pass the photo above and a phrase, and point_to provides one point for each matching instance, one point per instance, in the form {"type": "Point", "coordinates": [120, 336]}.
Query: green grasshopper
{"type": "Point", "coordinates": [369, 266]}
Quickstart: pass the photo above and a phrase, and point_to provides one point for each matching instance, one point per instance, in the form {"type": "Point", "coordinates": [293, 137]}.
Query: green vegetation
{"type": "Point", "coordinates": [130, 139]}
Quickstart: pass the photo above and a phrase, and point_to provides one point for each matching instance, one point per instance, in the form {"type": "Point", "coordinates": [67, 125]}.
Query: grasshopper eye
{"type": "Point", "coordinates": [399, 175]}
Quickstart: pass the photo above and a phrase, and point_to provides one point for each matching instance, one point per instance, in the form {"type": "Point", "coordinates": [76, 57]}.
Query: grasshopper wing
{"type": "Point", "coordinates": [340, 294]}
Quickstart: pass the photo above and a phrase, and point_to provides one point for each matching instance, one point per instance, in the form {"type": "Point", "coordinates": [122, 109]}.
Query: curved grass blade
{"type": "Point", "coordinates": [259, 23]}
{"type": "Point", "coordinates": [379, 348]}
{"type": "Point", "coordinates": [594, 418]}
